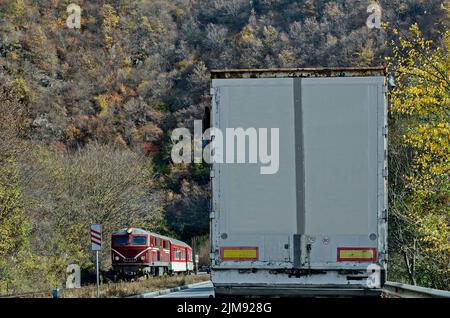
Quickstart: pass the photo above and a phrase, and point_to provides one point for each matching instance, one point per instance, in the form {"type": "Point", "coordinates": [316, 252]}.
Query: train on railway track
{"type": "Point", "coordinates": [136, 252]}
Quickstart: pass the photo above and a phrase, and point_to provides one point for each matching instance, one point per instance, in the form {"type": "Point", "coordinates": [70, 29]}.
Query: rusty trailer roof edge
{"type": "Point", "coordinates": [299, 72]}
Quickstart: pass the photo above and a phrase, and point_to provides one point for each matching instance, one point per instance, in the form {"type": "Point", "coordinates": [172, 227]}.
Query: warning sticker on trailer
{"type": "Point", "coordinates": [239, 253]}
{"type": "Point", "coordinates": [356, 254]}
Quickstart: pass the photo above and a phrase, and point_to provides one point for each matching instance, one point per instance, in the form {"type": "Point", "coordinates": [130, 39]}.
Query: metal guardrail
{"type": "Point", "coordinates": [399, 290]}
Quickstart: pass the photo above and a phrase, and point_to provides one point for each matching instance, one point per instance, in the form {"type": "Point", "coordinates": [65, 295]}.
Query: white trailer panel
{"type": "Point", "coordinates": [247, 200]}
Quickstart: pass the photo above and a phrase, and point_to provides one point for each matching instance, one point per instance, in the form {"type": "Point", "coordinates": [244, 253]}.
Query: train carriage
{"type": "Point", "coordinates": [137, 252]}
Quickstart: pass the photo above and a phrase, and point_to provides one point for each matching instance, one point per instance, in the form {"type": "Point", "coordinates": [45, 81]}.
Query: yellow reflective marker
{"type": "Point", "coordinates": [356, 254]}
{"type": "Point", "coordinates": [239, 253]}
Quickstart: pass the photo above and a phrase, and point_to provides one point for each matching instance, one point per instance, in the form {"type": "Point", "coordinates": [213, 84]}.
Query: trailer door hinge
{"type": "Point", "coordinates": [212, 92]}
{"type": "Point", "coordinates": [385, 172]}
{"type": "Point", "coordinates": [212, 215]}
{"type": "Point", "coordinates": [384, 215]}
{"type": "Point", "coordinates": [211, 174]}
{"type": "Point", "coordinates": [385, 131]}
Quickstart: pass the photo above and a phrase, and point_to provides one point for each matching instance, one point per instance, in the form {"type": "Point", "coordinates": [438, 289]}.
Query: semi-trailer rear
{"type": "Point", "coordinates": [318, 225]}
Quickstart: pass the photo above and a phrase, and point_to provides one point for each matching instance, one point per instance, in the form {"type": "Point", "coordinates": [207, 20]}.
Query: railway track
{"type": "Point", "coordinates": [63, 291]}
{"type": "Point", "coordinates": [41, 294]}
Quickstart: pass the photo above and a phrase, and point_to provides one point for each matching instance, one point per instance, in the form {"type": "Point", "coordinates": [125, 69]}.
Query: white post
{"type": "Point", "coordinates": [98, 276]}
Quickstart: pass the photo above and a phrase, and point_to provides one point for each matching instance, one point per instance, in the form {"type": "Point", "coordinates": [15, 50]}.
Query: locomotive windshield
{"type": "Point", "coordinates": [139, 240]}
{"type": "Point", "coordinates": [119, 240]}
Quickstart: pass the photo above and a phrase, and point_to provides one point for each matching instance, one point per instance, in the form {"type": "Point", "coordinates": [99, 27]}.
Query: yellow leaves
{"type": "Point", "coordinates": [105, 101]}
{"type": "Point", "coordinates": [183, 64]}
{"type": "Point", "coordinates": [422, 100]}
{"type": "Point", "coordinates": [110, 19]}
{"type": "Point", "coordinates": [20, 89]}
{"type": "Point", "coordinates": [435, 230]}
{"type": "Point", "coordinates": [108, 41]}
{"type": "Point", "coordinates": [270, 32]}
{"type": "Point", "coordinates": [366, 56]}
{"type": "Point", "coordinates": [127, 63]}
{"type": "Point", "coordinates": [248, 35]}
{"type": "Point", "coordinates": [72, 133]}
{"type": "Point", "coordinates": [110, 22]}
{"type": "Point", "coordinates": [120, 142]}
{"type": "Point", "coordinates": [152, 26]}
{"type": "Point", "coordinates": [146, 24]}
{"type": "Point", "coordinates": [43, 51]}
{"type": "Point", "coordinates": [7, 235]}
{"type": "Point", "coordinates": [122, 89]}
{"type": "Point", "coordinates": [14, 223]}
{"type": "Point", "coordinates": [37, 36]}
{"type": "Point", "coordinates": [287, 58]}
{"type": "Point", "coordinates": [102, 102]}
{"type": "Point", "coordinates": [158, 26]}
{"type": "Point", "coordinates": [432, 160]}
{"type": "Point", "coordinates": [16, 9]}
{"type": "Point", "coordinates": [12, 56]}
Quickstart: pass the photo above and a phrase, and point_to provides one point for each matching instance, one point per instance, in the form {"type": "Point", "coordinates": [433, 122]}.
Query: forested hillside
{"type": "Point", "coordinates": [86, 114]}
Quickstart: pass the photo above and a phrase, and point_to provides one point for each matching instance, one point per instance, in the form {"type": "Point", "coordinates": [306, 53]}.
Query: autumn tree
{"type": "Point", "coordinates": [420, 157]}
{"type": "Point", "coordinates": [15, 260]}
{"type": "Point", "coordinates": [109, 23]}
{"type": "Point", "coordinates": [68, 191]}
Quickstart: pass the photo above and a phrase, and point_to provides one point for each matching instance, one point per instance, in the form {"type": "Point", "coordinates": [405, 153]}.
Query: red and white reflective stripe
{"type": "Point", "coordinates": [96, 239]}
{"type": "Point", "coordinates": [95, 232]}
{"type": "Point", "coordinates": [96, 242]}
{"type": "Point", "coordinates": [96, 236]}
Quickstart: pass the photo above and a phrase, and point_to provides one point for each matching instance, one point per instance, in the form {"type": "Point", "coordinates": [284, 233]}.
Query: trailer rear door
{"type": "Point", "coordinates": [322, 208]}
{"type": "Point", "coordinates": [255, 215]}
{"type": "Point", "coordinates": [343, 163]}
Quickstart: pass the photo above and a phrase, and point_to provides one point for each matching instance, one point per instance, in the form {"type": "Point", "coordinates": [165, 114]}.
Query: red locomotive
{"type": "Point", "coordinates": [137, 252]}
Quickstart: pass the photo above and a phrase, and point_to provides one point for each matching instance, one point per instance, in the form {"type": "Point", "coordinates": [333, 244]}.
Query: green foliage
{"type": "Point", "coordinates": [20, 90]}
{"type": "Point", "coordinates": [14, 230]}
{"type": "Point", "coordinates": [188, 210]}
{"type": "Point", "coordinates": [16, 10]}
{"type": "Point", "coordinates": [420, 120]}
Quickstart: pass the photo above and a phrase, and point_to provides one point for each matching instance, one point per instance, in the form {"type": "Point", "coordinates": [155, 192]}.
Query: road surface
{"type": "Point", "coordinates": [204, 290]}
